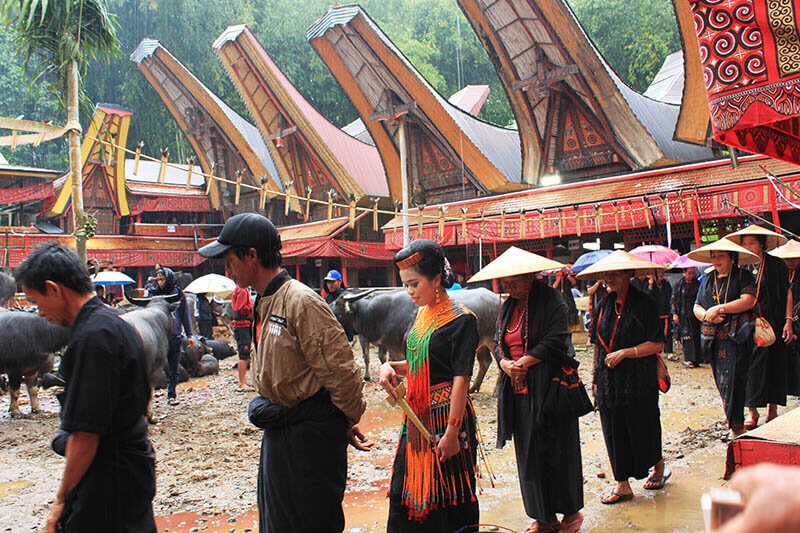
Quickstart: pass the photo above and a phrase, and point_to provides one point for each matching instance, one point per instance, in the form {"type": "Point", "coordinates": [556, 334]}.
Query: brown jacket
{"type": "Point", "coordinates": [301, 347]}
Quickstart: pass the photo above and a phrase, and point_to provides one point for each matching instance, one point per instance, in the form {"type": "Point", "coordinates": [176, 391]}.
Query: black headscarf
{"type": "Point", "coordinates": [169, 283]}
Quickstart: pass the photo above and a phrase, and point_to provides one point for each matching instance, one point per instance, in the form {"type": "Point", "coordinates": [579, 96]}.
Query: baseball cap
{"type": "Point", "coordinates": [333, 275]}
{"type": "Point", "coordinates": [245, 229]}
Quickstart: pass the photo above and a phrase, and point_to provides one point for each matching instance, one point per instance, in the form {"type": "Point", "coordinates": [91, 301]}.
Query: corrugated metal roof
{"type": "Point", "coordinates": [470, 98]}
{"type": "Point", "coordinates": [3, 160]}
{"type": "Point", "coordinates": [361, 160]}
{"type": "Point", "coordinates": [667, 86]}
{"type": "Point", "coordinates": [6, 168]}
{"type": "Point", "coordinates": [658, 118]}
{"type": "Point", "coordinates": [499, 145]}
{"type": "Point", "coordinates": [252, 136]}
{"type": "Point", "coordinates": [148, 173]}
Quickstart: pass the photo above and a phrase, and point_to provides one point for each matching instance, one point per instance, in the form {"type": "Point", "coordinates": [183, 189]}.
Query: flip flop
{"type": "Point", "coordinates": [537, 527]}
{"type": "Point", "coordinates": [574, 525]}
{"type": "Point", "coordinates": [173, 401]}
{"type": "Point", "coordinates": [615, 497]}
{"type": "Point", "coordinates": [657, 483]}
{"type": "Point", "coordinates": [750, 424]}
{"type": "Point", "coordinates": [245, 389]}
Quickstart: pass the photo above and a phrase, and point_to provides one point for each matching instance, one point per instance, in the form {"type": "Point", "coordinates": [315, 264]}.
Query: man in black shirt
{"type": "Point", "coordinates": [109, 478]}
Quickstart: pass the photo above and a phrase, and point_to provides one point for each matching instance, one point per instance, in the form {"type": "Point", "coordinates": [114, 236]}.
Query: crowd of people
{"type": "Point", "coordinates": [310, 400]}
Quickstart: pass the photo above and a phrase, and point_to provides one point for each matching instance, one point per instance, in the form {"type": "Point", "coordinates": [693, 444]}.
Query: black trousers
{"type": "Point", "coordinates": [173, 366]}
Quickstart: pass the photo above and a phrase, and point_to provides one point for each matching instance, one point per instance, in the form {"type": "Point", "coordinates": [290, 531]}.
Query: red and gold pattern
{"type": "Point", "coordinates": [750, 51]}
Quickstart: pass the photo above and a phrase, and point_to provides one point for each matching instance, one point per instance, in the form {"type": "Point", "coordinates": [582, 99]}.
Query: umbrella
{"type": "Point", "coordinates": [684, 262]}
{"type": "Point", "coordinates": [212, 284]}
{"type": "Point", "coordinates": [109, 277]}
{"type": "Point", "coordinates": [588, 259]}
{"type": "Point", "coordinates": [655, 253]}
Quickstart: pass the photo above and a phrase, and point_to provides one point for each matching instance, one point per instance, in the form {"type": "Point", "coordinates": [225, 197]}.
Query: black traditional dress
{"type": "Point", "coordinates": [683, 299]}
{"type": "Point", "coordinates": [627, 395]}
{"type": "Point", "coordinates": [728, 345]}
{"type": "Point", "coordinates": [793, 351]}
{"type": "Point", "coordinates": [767, 378]}
{"type": "Point", "coordinates": [548, 451]}
{"type": "Point", "coordinates": [426, 495]}
{"type": "Point", "coordinates": [661, 293]}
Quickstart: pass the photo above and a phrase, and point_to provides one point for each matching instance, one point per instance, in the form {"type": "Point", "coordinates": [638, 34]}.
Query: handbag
{"type": "Point", "coordinates": [762, 333]}
{"type": "Point", "coordinates": [664, 381]}
{"type": "Point", "coordinates": [566, 396]}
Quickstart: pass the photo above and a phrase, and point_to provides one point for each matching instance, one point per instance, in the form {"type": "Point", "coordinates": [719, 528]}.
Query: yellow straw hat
{"type": "Point", "coordinates": [790, 250]}
{"type": "Point", "coordinates": [703, 254]}
{"type": "Point", "coordinates": [513, 262]}
{"type": "Point", "coordinates": [773, 239]}
{"type": "Point", "coordinates": [620, 261]}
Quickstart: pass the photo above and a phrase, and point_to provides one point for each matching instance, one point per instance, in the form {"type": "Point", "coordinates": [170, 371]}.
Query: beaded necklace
{"type": "Point", "coordinates": [523, 315]}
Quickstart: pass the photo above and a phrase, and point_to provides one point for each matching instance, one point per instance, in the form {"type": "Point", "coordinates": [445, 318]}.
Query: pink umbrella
{"type": "Point", "coordinates": [655, 253]}
{"type": "Point", "coordinates": [684, 262]}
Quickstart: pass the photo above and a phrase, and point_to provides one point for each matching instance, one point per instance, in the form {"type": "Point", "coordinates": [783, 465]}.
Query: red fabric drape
{"type": "Point", "coordinates": [26, 194]}
{"type": "Point", "coordinates": [750, 51]}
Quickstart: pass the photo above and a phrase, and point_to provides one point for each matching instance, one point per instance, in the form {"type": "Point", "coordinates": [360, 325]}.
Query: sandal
{"type": "Point", "coordinates": [657, 483]}
{"type": "Point", "coordinates": [537, 527]}
{"type": "Point", "coordinates": [246, 388]}
{"type": "Point", "coordinates": [751, 423]}
{"type": "Point", "coordinates": [173, 401]}
{"type": "Point", "coordinates": [674, 358]}
{"type": "Point", "coordinates": [616, 497]}
{"type": "Point", "coordinates": [574, 525]}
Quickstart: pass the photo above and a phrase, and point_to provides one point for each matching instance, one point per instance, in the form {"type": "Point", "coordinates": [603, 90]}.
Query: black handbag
{"type": "Point", "coordinates": [566, 397]}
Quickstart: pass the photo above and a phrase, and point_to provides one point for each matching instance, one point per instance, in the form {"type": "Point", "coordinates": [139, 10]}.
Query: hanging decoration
{"type": "Point", "coordinates": [308, 204]}
{"type": "Point", "coordinates": [375, 213]}
{"type": "Point", "coordinates": [331, 192]}
{"type": "Point", "coordinates": [352, 213]}
{"type": "Point", "coordinates": [441, 221]}
{"type": "Point", "coordinates": [463, 222]}
{"type": "Point", "coordinates": [162, 170]}
{"type": "Point", "coordinates": [136, 158]}
{"type": "Point", "coordinates": [503, 224]}
{"type": "Point", "coordinates": [523, 230]}
{"type": "Point", "coordinates": [238, 187]}
{"type": "Point", "coordinates": [190, 162]}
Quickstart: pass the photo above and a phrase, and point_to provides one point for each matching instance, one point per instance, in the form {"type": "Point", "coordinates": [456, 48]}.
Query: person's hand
{"type": "Point", "coordinates": [615, 358]}
{"type": "Point", "coordinates": [517, 370]}
{"type": "Point", "coordinates": [358, 440]}
{"type": "Point", "coordinates": [190, 342]}
{"type": "Point", "coordinates": [714, 315]}
{"type": "Point", "coordinates": [788, 334]}
{"type": "Point", "coordinates": [448, 445]}
{"type": "Point", "coordinates": [505, 366]}
{"type": "Point", "coordinates": [772, 500]}
{"type": "Point", "coordinates": [51, 526]}
{"type": "Point", "coordinates": [676, 319]}
{"type": "Point", "coordinates": [388, 379]}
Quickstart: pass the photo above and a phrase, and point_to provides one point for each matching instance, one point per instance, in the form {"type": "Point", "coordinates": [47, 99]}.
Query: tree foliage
{"type": "Point", "coordinates": [433, 34]}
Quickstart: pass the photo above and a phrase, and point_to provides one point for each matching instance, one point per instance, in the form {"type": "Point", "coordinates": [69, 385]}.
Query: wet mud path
{"type": "Point", "coordinates": [208, 452]}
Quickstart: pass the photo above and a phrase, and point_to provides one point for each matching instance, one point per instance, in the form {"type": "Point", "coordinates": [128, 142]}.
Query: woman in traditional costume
{"type": "Point", "coordinates": [688, 327]}
{"type": "Point", "coordinates": [767, 377]}
{"type": "Point", "coordinates": [790, 253]}
{"type": "Point", "coordinates": [433, 478]}
{"type": "Point", "coordinates": [627, 337]}
{"type": "Point", "coordinates": [531, 348]}
{"type": "Point", "coordinates": [724, 302]}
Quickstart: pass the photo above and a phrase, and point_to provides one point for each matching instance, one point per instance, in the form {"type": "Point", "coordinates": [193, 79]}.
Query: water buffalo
{"type": "Point", "coordinates": [382, 317]}
{"type": "Point", "coordinates": [154, 323]}
{"type": "Point", "coordinates": [8, 288]}
{"type": "Point", "coordinates": [28, 344]}
{"type": "Point", "coordinates": [191, 355]}
{"type": "Point", "coordinates": [219, 349]}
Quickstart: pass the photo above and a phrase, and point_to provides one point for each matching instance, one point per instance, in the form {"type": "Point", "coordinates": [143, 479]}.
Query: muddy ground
{"type": "Point", "coordinates": [208, 452]}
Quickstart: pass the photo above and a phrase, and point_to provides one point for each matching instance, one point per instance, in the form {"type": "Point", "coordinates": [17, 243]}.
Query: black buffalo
{"type": "Point", "coordinates": [26, 352]}
{"type": "Point", "coordinates": [219, 349]}
{"type": "Point", "coordinates": [154, 322]}
{"type": "Point", "coordinates": [8, 288]}
{"type": "Point", "coordinates": [381, 317]}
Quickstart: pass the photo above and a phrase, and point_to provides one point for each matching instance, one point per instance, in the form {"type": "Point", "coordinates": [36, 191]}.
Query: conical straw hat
{"type": "Point", "coordinates": [790, 250]}
{"type": "Point", "coordinates": [773, 239]}
{"type": "Point", "coordinates": [513, 262]}
{"type": "Point", "coordinates": [621, 260]}
{"type": "Point", "coordinates": [703, 254]}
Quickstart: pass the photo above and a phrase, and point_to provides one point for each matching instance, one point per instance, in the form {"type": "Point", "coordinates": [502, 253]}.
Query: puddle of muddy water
{"type": "Point", "coordinates": [12, 487]}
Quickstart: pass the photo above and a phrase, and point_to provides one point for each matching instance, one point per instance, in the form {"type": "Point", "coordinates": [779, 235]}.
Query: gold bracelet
{"type": "Point", "coordinates": [636, 352]}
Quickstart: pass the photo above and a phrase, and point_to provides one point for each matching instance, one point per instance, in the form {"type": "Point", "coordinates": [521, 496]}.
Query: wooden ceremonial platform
{"type": "Point", "coordinates": [777, 442]}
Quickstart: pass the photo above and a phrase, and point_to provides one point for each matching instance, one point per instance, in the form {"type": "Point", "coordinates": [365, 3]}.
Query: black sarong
{"type": "Point", "coordinates": [767, 378]}
{"type": "Point", "coordinates": [633, 438]}
{"type": "Point", "coordinates": [303, 465]}
{"type": "Point", "coordinates": [728, 345]}
{"type": "Point", "coordinates": [684, 296]}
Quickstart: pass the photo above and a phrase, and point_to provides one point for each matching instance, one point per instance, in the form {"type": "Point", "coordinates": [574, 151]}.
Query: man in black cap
{"type": "Point", "coordinates": [109, 476]}
{"type": "Point", "coordinates": [310, 390]}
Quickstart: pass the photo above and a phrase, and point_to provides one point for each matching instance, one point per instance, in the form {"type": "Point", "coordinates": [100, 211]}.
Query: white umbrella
{"type": "Point", "coordinates": [212, 284]}
{"type": "Point", "coordinates": [109, 277]}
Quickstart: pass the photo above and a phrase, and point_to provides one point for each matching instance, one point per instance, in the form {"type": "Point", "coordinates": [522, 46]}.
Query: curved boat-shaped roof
{"type": "Point", "coordinates": [543, 56]}
{"type": "Point", "coordinates": [324, 155]}
{"type": "Point", "coordinates": [368, 66]}
{"type": "Point", "coordinates": [186, 98]}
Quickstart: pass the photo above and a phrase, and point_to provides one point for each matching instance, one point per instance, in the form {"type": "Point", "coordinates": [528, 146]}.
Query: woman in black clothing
{"type": "Point", "coordinates": [433, 479]}
{"type": "Point", "coordinates": [767, 377]}
{"type": "Point", "coordinates": [687, 325]}
{"type": "Point", "coordinates": [627, 337]}
{"type": "Point", "coordinates": [724, 303]}
{"type": "Point", "coordinates": [790, 253]}
{"type": "Point", "coordinates": [660, 291]}
{"type": "Point", "coordinates": [531, 348]}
